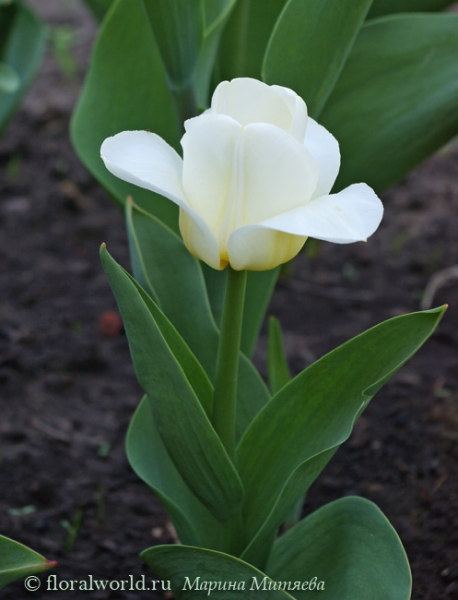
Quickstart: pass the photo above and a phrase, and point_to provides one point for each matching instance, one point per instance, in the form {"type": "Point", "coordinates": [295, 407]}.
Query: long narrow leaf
{"type": "Point", "coordinates": [182, 423]}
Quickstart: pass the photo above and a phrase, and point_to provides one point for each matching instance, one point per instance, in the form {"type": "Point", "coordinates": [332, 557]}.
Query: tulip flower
{"type": "Point", "coordinates": [254, 181]}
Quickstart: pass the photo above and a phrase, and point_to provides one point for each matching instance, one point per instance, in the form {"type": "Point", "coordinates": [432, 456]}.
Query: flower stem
{"type": "Point", "coordinates": [227, 365]}
{"type": "Point", "coordinates": [185, 103]}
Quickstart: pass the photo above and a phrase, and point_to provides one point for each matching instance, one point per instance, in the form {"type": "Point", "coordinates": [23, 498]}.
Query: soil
{"type": "Point", "coordinates": [68, 389]}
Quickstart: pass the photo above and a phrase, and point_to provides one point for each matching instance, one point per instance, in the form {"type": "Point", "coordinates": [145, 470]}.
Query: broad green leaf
{"type": "Point", "coordinates": [183, 425]}
{"type": "Point", "coordinates": [258, 550]}
{"type": "Point", "coordinates": [99, 7]}
{"type": "Point", "coordinates": [150, 460]}
{"type": "Point", "coordinates": [9, 79]}
{"type": "Point", "coordinates": [310, 44]}
{"type": "Point", "coordinates": [191, 569]}
{"type": "Point", "coordinates": [18, 561]}
{"type": "Point", "coordinates": [386, 7]}
{"type": "Point", "coordinates": [22, 44]}
{"type": "Point", "coordinates": [245, 38]}
{"type": "Point", "coordinates": [125, 89]}
{"type": "Point", "coordinates": [277, 365]}
{"type": "Point", "coordinates": [350, 546]}
{"type": "Point", "coordinates": [310, 417]}
{"type": "Point", "coordinates": [173, 277]}
{"type": "Point", "coordinates": [178, 29]}
{"type": "Point", "coordinates": [396, 101]}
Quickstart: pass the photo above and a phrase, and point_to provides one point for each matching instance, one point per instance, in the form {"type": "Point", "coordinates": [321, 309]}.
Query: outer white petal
{"type": "Point", "coordinates": [251, 101]}
{"type": "Point", "coordinates": [258, 249]}
{"type": "Point", "coordinates": [146, 160]}
{"type": "Point", "coordinates": [208, 150]}
{"type": "Point", "coordinates": [325, 149]}
{"type": "Point", "coordinates": [352, 215]}
{"type": "Point", "coordinates": [199, 240]}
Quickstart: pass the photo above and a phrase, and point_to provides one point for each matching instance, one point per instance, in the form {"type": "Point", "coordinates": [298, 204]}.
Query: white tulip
{"type": "Point", "coordinates": [254, 181]}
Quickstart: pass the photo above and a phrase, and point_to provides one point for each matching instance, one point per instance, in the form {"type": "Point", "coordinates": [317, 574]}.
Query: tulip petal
{"type": "Point", "coordinates": [199, 240]}
{"type": "Point", "coordinates": [258, 249]}
{"type": "Point", "coordinates": [146, 160]}
{"type": "Point", "coordinates": [279, 174]}
{"type": "Point", "coordinates": [251, 101]}
{"type": "Point", "coordinates": [298, 110]}
{"type": "Point", "coordinates": [352, 215]}
{"type": "Point", "coordinates": [325, 149]}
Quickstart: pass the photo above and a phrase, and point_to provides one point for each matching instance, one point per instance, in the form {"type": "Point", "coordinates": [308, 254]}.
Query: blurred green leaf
{"type": "Point", "coordinates": [216, 13]}
{"type": "Point", "coordinates": [18, 561]}
{"type": "Point", "coordinates": [245, 38]}
{"type": "Point", "coordinates": [396, 101]}
{"type": "Point", "coordinates": [277, 365]}
{"type": "Point", "coordinates": [182, 565]}
{"type": "Point", "coordinates": [99, 7]}
{"type": "Point", "coordinates": [387, 7]}
{"type": "Point", "coordinates": [295, 435]}
{"type": "Point", "coordinates": [9, 79]}
{"type": "Point", "coordinates": [310, 44]}
{"type": "Point", "coordinates": [183, 425]}
{"type": "Point", "coordinates": [22, 44]}
{"type": "Point", "coordinates": [178, 29]}
{"type": "Point", "coordinates": [150, 460]}
{"type": "Point", "coordinates": [134, 96]}
{"type": "Point", "coordinates": [63, 39]}
{"type": "Point", "coordinates": [350, 546]}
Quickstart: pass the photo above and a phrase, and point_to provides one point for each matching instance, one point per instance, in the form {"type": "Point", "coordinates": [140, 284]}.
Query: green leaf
{"type": "Point", "coordinates": [216, 13]}
{"type": "Point", "coordinates": [295, 435]}
{"type": "Point", "coordinates": [245, 38]}
{"type": "Point", "coordinates": [22, 44]}
{"type": "Point", "coordinates": [18, 561]}
{"type": "Point", "coordinates": [396, 101]}
{"type": "Point", "coordinates": [277, 365]}
{"type": "Point", "coordinates": [183, 425]}
{"type": "Point", "coordinates": [166, 269]}
{"type": "Point", "coordinates": [150, 460]}
{"type": "Point", "coordinates": [178, 29]}
{"type": "Point", "coordinates": [187, 567]}
{"type": "Point", "coordinates": [125, 89]}
{"type": "Point", "coordinates": [192, 369]}
{"type": "Point", "coordinates": [386, 7]}
{"type": "Point", "coordinates": [350, 546]}
{"type": "Point", "coordinates": [310, 44]}
{"type": "Point", "coordinates": [173, 277]}
{"type": "Point", "coordinates": [99, 7]}
{"type": "Point", "coordinates": [9, 79]}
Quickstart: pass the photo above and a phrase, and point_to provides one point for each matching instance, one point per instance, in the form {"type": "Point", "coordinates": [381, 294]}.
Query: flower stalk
{"type": "Point", "coordinates": [227, 365]}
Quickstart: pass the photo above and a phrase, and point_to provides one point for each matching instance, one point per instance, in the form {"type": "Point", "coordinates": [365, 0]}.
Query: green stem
{"type": "Point", "coordinates": [185, 104]}
{"type": "Point", "coordinates": [227, 365]}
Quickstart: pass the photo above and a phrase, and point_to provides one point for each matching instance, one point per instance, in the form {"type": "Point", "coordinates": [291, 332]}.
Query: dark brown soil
{"type": "Point", "coordinates": [68, 388]}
